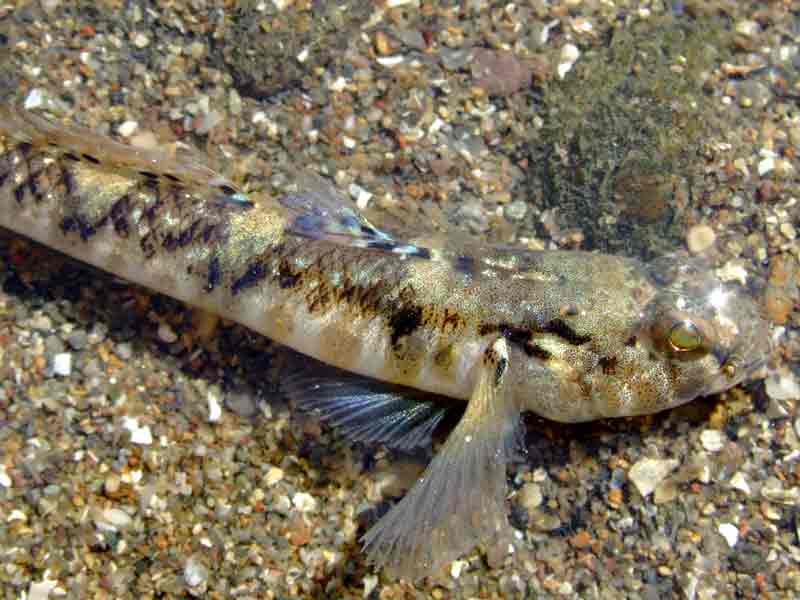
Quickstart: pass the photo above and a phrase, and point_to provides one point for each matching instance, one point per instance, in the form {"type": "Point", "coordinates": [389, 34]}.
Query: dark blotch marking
{"type": "Point", "coordinates": [227, 190]}
{"type": "Point", "coordinates": [119, 215]}
{"type": "Point", "coordinates": [563, 330]}
{"type": "Point", "coordinates": [68, 179]}
{"type": "Point", "coordinates": [76, 224]}
{"type": "Point", "coordinates": [287, 278]}
{"type": "Point", "coordinates": [147, 246]}
{"type": "Point", "coordinates": [170, 242]}
{"type": "Point", "coordinates": [187, 235]}
{"type": "Point", "coordinates": [214, 274]}
{"type": "Point", "coordinates": [33, 186]}
{"type": "Point", "coordinates": [464, 264]}
{"type": "Point", "coordinates": [19, 193]}
{"type": "Point", "coordinates": [172, 178]}
{"type": "Point", "coordinates": [25, 148]}
{"type": "Point", "coordinates": [151, 211]}
{"type": "Point", "coordinates": [208, 233]}
{"type": "Point", "coordinates": [255, 273]}
{"type": "Point", "coordinates": [68, 224]}
{"type": "Point", "coordinates": [608, 364]}
{"type": "Point", "coordinates": [86, 230]}
{"type": "Point", "coordinates": [536, 351]}
{"type": "Point", "coordinates": [522, 337]}
{"type": "Point", "coordinates": [422, 253]}
{"type": "Point", "coordinates": [519, 336]}
{"type": "Point", "coordinates": [91, 159]}
{"type": "Point", "coordinates": [451, 320]}
{"type": "Point", "coordinates": [71, 156]}
{"type": "Point", "coordinates": [404, 321]}
{"type": "Point", "coordinates": [150, 180]}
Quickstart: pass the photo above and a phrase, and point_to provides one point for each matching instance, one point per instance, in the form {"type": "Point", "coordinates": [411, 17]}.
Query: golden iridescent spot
{"type": "Point", "coordinates": [685, 337]}
{"type": "Point", "coordinates": [675, 334]}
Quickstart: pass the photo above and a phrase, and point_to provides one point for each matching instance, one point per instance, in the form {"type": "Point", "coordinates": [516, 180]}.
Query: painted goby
{"type": "Point", "coordinates": [571, 336]}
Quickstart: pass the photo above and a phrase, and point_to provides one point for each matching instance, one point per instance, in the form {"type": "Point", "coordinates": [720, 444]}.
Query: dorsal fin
{"type": "Point", "coordinates": [320, 212]}
{"type": "Point", "coordinates": [180, 166]}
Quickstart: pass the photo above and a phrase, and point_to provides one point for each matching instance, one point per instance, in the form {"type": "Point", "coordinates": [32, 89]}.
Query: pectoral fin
{"type": "Point", "coordinates": [366, 410]}
{"type": "Point", "coordinates": [460, 499]}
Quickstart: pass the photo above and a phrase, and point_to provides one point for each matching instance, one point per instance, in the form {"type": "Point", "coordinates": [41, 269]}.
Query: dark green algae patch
{"type": "Point", "coordinates": [261, 53]}
{"type": "Point", "coordinates": [621, 154]}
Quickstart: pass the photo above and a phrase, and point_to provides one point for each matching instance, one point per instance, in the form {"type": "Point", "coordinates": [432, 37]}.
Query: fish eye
{"type": "Point", "coordinates": [685, 336]}
{"type": "Point", "coordinates": [681, 336]}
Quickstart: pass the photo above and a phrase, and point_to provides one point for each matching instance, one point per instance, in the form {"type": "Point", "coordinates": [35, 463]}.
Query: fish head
{"type": "Point", "coordinates": [645, 338]}
{"type": "Point", "coordinates": [708, 334]}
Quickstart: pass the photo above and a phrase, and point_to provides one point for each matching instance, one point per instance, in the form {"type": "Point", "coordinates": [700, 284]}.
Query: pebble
{"type": "Point", "coordinates": [5, 480]}
{"type": "Point", "coordinates": [214, 408]}
{"type": "Point", "coordinates": [49, 6]}
{"type": "Point", "coordinates": [234, 102]}
{"type": "Point", "coordinates": [62, 364]}
{"type": "Point", "coordinates": [78, 339]}
{"type": "Point", "coordinates": [112, 484]}
{"type": "Point", "coordinates": [747, 27]}
{"type": "Point", "coordinates": [730, 532]}
{"type": "Point", "coordinates": [123, 351]}
{"type": "Point", "coordinates": [499, 73]}
{"type": "Point", "coordinates": [783, 386]}
{"type": "Point", "coordinates": [457, 567]}
{"type": "Point", "coordinates": [712, 440]}
{"type": "Point", "coordinates": [139, 434]}
{"type": "Point", "coordinates": [739, 482]}
{"type": "Point", "coordinates": [569, 55]}
{"type": "Point", "coordinates": [766, 165]}
{"type": "Point", "coordinates": [647, 473]}
{"type": "Point", "coordinates": [112, 519]}
{"type": "Point", "coordinates": [140, 40]}
{"type": "Point", "coordinates": [128, 128]}
{"type": "Point", "coordinates": [774, 491]}
{"type": "Point", "coordinates": [166, 333]}
{"type": "Point", "coordinates": [753, 94]}
{"type": "Point", "coordinates": [273, 476]}
{"type": "Point", "coordinates": [41, 590]}
{"type": "Point", "coordinates": [666, 491]}
{"type": "Point", "coordinates": [700, 238]}
{"type": "Point", "coordinates": [53, 344]}
{"type": "Point", "coordinates": [304, 502]}
{"type": "Point", "coordinates": [516, 211]}
{"type": "Point", "coordinates": [733, 271]}
{"type": "Point", "coordinates": [788, 231]}
{"type": "Point", "coordinates": [195, 573]}
{"type": "Point", "coordinates": [530, 496]}
{"type": "Point", "coordinates": [34, 99]}
{"type": "Point", "coordinates": [370, 583]}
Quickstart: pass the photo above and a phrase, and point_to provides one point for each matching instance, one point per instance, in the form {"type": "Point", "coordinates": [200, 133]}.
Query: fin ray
{"type": "Point", "coordinates": [320, 212]}
{"type": "Point", "coordinates": [366, 410]}
{"type": "Point", "coordinates": [460, 499]}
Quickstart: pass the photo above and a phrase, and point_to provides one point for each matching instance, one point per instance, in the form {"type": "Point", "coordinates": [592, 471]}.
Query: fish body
{"type": "Point", "coordinates": [572, 336]}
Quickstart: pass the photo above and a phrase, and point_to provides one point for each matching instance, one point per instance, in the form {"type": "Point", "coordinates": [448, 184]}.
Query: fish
{"type": "Point", "coordinates": [571, 336]}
